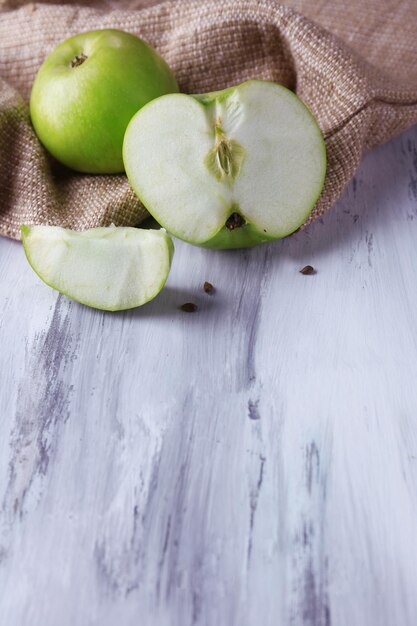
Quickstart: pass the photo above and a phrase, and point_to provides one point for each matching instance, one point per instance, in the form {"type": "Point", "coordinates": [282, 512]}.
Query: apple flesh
{"type": "Point", "coordinates": [228, 169]}
{"type": "Point", "coordinates": [86, 92]}
{"type": "Point", "coordinates": [106, 268]}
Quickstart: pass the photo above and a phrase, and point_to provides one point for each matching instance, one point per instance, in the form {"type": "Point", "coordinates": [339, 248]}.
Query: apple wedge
{"type": "Point", "coordinates": [106, 268]}
{"type": "Point", "coordinates": [227, 169]}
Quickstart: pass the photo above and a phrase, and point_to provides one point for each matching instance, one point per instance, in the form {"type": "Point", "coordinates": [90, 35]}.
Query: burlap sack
{"type": "Point", "coordinates": [360, 80]}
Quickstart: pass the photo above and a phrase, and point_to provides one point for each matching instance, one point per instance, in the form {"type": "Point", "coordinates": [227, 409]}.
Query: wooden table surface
{"type": "Point", "coordinates": [251, 464]}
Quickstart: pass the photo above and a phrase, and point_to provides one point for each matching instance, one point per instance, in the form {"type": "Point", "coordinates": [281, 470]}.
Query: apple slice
{"type": "Point", "coordinates": [105, 268]}
{"type": "Point", "coordinates": [227, 169]}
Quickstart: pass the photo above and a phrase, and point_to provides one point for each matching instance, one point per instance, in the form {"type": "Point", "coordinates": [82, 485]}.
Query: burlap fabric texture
{"type": "Point", "coordinates": [210, 45]}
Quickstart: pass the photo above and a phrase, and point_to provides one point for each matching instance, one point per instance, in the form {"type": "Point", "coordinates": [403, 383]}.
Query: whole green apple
{"type": "Point", "coordinates": [86, 92]}
{"type": "Point", "coordinates": [228, 169]}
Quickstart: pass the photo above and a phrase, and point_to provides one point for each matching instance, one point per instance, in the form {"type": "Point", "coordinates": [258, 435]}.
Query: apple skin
{"type": "Point", "coordinates": [247, 236]}
{"type": "Point", "coordinates": [80, 113]}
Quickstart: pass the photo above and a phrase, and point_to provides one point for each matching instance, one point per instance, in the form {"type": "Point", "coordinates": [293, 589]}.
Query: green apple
{"type": "Point", "coordinates": [227, 169]}
{"type": "Point", "coordinates": [106, 268]}
{"type": "Point", "coordinates": [86, 92]}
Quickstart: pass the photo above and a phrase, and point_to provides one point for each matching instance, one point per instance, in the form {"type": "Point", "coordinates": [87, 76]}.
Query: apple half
{"type": "Point", "coordinates": [227, 169]}
{"type": "Point", "coordinates": [106, 268]}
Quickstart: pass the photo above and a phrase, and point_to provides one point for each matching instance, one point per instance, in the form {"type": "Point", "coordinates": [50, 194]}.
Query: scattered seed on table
{"type": "Point", "coordinates": [208, 287]}
{"type": "Point", "coordinates": [189, 307]}
{"type": "Point", "coordinates": [308, 269]}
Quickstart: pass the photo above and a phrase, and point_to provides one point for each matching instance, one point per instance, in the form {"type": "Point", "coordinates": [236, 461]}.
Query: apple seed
{"type": "Point", "coordinates": [208, 287]}
{"type": "Point", "coordinates": [189, 307]}
{"type": "Point", "coordinates": [308, 270]}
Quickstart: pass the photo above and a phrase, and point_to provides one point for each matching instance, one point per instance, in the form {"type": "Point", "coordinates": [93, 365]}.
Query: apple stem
{"type": "Point", "coordinates": [78, 60]}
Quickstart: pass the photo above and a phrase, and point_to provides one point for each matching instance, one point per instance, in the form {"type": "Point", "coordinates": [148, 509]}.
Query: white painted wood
{"type": "Point", "coordinates": [254, 463]}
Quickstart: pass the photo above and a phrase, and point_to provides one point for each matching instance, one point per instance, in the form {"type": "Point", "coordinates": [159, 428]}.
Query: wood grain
{"type": "Point", "coordinates": [253, 463]}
